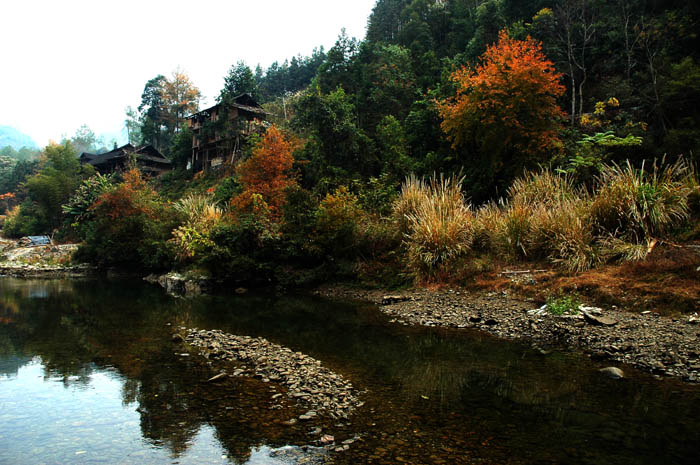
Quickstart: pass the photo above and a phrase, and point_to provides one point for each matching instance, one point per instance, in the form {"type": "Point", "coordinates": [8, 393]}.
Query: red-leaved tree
{"type": "Point", "coordinates": [505, 109]}
{"type": "Point", "coordinates": [267, 174]}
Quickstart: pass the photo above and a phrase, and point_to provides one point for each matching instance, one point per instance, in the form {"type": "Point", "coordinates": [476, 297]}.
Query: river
{"type": "Point", "coordinates": [89, 374]}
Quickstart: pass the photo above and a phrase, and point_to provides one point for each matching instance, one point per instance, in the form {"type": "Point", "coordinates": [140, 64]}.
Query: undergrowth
{"type": "Point", "coordinates": [546, 217]}
{"type": "Point", "coordinates": [563, 304]}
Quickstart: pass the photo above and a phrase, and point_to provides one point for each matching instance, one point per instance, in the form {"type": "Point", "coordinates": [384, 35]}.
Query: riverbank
{"type": "Point", "coordinates": [45, 261]}
{"type": "Point", "coordinates": [664, 346]}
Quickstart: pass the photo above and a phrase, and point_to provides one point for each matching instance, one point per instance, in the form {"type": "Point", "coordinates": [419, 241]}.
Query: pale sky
{"type": "Point", "coordinates": [71, 62]}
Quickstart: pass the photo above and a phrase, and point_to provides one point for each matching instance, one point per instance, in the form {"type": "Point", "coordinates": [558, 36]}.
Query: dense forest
{"type": "Point", "coordinates": [564, 131]}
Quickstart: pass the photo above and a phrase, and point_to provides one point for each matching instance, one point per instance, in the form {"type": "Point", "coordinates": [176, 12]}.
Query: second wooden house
{"type": "Point", "coordinates": [219, 131]}
{"type": "Point", "coordinates": [149, 160]}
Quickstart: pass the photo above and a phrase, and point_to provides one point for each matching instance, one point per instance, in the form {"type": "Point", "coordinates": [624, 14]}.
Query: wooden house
{"type": "Point", "coordinates": [217, 132]}
{"type": "Point", "coordinates": [148, 159]}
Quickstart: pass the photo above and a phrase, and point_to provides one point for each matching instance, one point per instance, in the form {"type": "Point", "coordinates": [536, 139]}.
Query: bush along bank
{"type": "Point", "coordinates": [259, 225]}
{"type": "Point", "coordinates": [427, 232]}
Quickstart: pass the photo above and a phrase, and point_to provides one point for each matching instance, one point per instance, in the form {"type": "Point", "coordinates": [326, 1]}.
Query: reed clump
{"type": "Point", "coordinates": [545, 216]}
{"type": "Point", "coordinates": [437, 222]}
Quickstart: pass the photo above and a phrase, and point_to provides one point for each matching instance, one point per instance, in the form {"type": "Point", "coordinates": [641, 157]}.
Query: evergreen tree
{"type": "Point", "coordinates": [239, 80]}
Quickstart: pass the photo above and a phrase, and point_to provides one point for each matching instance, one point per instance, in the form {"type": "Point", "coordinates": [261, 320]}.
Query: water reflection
{"type": "Point", "coordinates": [432, 395]}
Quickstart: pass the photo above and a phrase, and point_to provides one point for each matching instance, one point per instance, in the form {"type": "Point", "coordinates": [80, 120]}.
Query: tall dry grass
{"type": "Point", "coordinates": [437, 221]}
{"type": "Point", "coordinates": [563, 234]}
{"type": "Point", "coordinates": [201, 214]}
{"type": "Point", "coordinates": [414, 190]}
{"type": "Point", "coordinates": [647, 202]}
{"type": "Point", "coordinates": [198, 209]}
{"type": "Point", "coordinates": [543, 187]}
{"type": "Point", "coordinates": [508, 229]}
{"type": "Point", "coordinates": [542, 217]}
{"type": "Point", "coordinates": [546, 217]}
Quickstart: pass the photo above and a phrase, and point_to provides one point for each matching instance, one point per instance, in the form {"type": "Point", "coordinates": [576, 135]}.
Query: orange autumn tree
{"type": "Point", "coordinates": [505, 109]}
{"type": "Point", "coordinates": [266, 175]}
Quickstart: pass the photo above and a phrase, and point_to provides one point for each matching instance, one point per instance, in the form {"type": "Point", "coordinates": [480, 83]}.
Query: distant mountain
{"type": "Point", "coordinates": [12, 137]}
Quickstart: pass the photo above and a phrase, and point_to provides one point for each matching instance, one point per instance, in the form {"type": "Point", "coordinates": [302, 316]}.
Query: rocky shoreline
{"type": "Point", "coordinates": [307, 382]}
{"type": "Point", "coordinates": [48, 261]}
{"type": "Point", "coordinates": [661, 345]}
{"type": "Point", "coordinates": [23, 270]}
{"type": "Point", "coordinates": [179, 285]}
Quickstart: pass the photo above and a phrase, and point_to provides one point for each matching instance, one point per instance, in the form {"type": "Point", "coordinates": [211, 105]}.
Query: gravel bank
{"type": "Point", "coordinates": [307, 381]}
{"type": "Point", "coordinates": [661, 345]}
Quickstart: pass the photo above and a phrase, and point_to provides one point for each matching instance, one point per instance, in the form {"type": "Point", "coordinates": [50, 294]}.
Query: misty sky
{"type": "Point", "coordinates": [72, 62]}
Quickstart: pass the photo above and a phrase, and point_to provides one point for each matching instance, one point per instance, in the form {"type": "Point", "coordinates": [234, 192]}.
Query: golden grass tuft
{"type": "Point", "coordinates": [438, 223]}
{"type": "Point", "coordinates": [640, 202]}
{"type": "Point", "coordinates": [198, 209]}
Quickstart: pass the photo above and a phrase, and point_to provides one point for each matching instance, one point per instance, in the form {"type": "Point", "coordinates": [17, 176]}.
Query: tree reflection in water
{"type": "Point", "coordinates": [459, 396]}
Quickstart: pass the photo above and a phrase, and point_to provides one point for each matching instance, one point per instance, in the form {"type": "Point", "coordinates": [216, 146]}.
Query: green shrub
{"type": "Point", "coordinates": [226, 190]}
{"type": "Point", "coordinates": [562, 304]}
{"type": "Point", "coordinates": [298, 223]}
{"type": "Point", "coordinates": [378, 195]}
{"type": "Point", "coordinates": [26, 219]}
{"type": "Point", "coordinates": [130, 227]}
{"type": "Point", "coordinates": [336, 224]}
{"type": "Point", "coordinates": [242, 251]}
{"type": "Point", "coordinates": [78, 211]}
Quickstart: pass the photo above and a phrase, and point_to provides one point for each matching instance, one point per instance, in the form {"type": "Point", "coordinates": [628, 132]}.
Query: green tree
{"type": "Point", "coordinates": [181, 150]}
{"type": "Point", "coordinates": [337, 147]}
{"type": "Point", "coordinates": [338, 69]}
{"type": "Point", "coordinates": [58, 176]}
{"type": "Point", "coordinates": [132, 124]}
{"type": "Point", "coordinates": [680, 97]}
{"type": "Point", "coordinates": [393, 150]}
{"type": "Point", "coordinates": [85, 140]}
{"type": "Point", "coordinates": [239, 80]}
{"type": "Point", "coordinates": [388, 83]}
{"type": "Point", "coordinates": [154, 112]}
{"type": "Point", "coordinates": [489, 21]}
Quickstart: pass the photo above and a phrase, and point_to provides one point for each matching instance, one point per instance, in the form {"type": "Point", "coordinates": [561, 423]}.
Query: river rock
{"type": "Point", "coordinates": [307, 381]}
{"type": "Point", "coordinates": [598, 320]}
{"type": "Point", "coordinates": [612, 372]}
{"type": "Point", "coordinates": [392, 299]}
{"type": "Point", "coordinates": [180, 285]}
{"type": "Point", "coordinates": [641, 339]}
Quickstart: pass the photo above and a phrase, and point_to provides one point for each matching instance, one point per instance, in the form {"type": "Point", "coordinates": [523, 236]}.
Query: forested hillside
{"type": "Point", "coordinates": [628, 69]}
{"type": "Point", "coordinates": [627, 66]}
{"type": "Point", "coordinates": [455, 133]}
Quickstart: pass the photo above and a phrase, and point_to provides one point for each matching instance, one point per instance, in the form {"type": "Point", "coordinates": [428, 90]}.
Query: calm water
{"type": "Point", "coordinates": [88, 374]}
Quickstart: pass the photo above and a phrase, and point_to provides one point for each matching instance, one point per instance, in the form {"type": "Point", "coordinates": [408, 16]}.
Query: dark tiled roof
{"type": "Point", "coordinates": [243, 102]}
{"type": "Point", "coordinates": [144, 152]}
